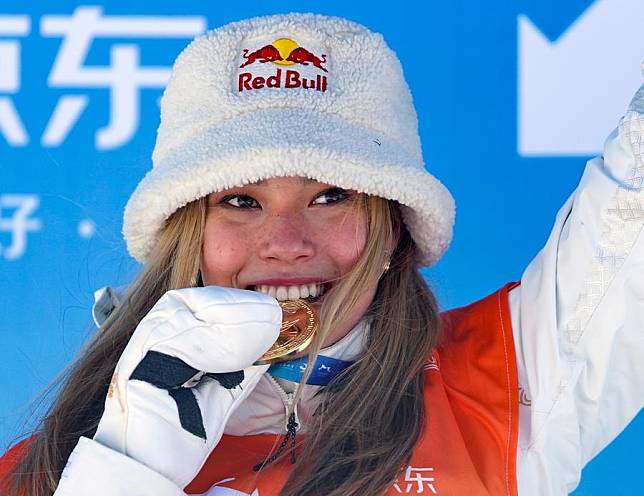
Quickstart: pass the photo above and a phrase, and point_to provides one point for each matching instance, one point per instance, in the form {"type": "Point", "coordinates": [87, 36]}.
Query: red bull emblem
{"type": "Point", "coordinates": [267, 53]}
{"type": "Point", "coordinates": [283, 52]}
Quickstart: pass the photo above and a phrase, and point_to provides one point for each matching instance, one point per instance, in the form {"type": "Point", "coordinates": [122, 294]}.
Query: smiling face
{"type": "Point", "coordinates": [288, 237]}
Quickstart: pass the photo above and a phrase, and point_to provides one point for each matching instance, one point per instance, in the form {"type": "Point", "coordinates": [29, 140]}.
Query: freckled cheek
{"type": "Point", "coordinates": [224, 254]}
{"type": "Point", "coordinates": [345, 242]}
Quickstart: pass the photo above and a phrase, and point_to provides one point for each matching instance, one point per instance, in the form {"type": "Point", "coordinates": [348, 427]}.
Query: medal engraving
{"type": "Point", "coordinates": [299, 325]}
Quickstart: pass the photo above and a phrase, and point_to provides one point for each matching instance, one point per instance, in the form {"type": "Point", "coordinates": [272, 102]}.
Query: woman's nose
{"type": "Point", "coordinates": [286, 239]}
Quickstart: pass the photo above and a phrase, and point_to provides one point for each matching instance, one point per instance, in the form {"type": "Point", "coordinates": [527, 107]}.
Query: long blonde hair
{"type": "Point", "coordinates": [356, 447]}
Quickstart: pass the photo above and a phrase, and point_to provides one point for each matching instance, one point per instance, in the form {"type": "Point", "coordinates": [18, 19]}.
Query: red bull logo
{"type": "Point", "coordinates": [288, 79]}
{"type": "Point", "coordinates": [283, 52]}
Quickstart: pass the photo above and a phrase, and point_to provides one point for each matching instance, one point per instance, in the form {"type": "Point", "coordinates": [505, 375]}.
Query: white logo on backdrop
{"type": "Point", "coordinates": [11, 126]}
{"type": "Point", "coordinates": [573, 91]}
{"type": "Point", "coordinates": [14, 219]}
{"type": "Point", "coordinates": [124, 77]}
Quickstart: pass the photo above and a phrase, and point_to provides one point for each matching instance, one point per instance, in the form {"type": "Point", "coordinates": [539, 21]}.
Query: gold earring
{"type": "Point", "coordinates": [386, 266]}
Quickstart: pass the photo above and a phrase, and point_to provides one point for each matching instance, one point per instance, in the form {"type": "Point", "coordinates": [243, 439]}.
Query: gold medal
{"type": "Point", "coordinates": [299, 325]}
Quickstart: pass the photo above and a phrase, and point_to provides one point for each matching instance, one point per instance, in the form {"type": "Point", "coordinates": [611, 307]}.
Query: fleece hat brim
{"type": "Point", "coordinates": [289, 142]}
{"type": "Point", "coordinates": [289, 95]}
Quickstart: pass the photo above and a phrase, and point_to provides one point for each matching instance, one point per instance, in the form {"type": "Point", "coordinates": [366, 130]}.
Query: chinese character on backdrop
{"type": "Point", "coordinates": [11, 125]}
{"type": "Point", "coordinates": [124, 76]}
{"type": "Point", "coordinates": [15, 211]}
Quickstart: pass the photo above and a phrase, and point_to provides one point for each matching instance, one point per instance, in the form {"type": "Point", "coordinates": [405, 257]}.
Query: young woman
{"type": "Point", "coordinates": [288, 167]}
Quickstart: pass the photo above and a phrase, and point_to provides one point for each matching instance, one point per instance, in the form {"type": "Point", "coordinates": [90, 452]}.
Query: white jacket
{"type": "Point", "coordinates": [577, 321]}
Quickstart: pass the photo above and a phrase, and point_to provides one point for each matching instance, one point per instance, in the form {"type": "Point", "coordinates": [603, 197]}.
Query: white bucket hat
{"type": "Point", "coordinates": [289, 95]}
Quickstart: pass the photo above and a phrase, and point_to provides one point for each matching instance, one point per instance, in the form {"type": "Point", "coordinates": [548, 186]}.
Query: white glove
{"type": "Point", "coordinates": [187, 333]}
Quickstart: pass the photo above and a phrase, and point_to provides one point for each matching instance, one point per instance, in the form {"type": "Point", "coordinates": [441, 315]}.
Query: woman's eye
{"type": "Point", "coordinates": [240, 201]}
{"type": "Point", "coordinates": [333, 195]}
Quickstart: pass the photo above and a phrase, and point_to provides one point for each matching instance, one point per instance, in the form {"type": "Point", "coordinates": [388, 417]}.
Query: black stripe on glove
{"type": "Point", "coordinates": [169, 372]}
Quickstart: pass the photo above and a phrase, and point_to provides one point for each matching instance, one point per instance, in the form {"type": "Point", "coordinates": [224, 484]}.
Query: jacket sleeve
{"type": "Point", "coordinates": [100, 471]}
{"type": "Point", "coordinates": [94, 469]}
{"type": "Point", "coordinates": [9, 461]}
{"type": "Point", "coordinates": [577, 319]}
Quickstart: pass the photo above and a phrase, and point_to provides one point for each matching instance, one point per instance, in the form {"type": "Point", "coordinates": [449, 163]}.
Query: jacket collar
{"type": "Point", "coordinates": [265, 409]}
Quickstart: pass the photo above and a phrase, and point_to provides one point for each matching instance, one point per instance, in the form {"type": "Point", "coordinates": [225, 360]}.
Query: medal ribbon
{"type": "Point", "coordinates": [326, 368]}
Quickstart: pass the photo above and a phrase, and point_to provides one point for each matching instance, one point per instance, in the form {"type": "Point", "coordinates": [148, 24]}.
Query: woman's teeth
{"type": "Point", "coordinates": [282, 293]}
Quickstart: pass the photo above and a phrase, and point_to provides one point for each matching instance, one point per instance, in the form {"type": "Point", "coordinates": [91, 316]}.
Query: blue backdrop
{"type": "Point", "coordinates": [512, 98]}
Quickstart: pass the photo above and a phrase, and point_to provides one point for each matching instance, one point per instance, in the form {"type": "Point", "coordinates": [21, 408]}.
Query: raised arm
{"type": "Point", "coordinates": [578, 319]}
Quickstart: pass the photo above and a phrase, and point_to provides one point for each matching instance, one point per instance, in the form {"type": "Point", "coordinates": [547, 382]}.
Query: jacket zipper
{"type": "Point", "coordinates": [287, 400]}
{"type": "Point", "coordinates": [291, 426]}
